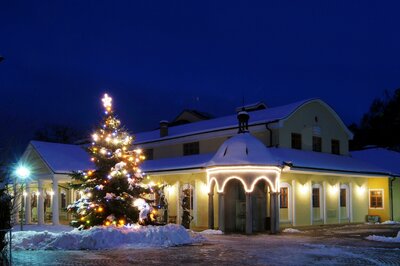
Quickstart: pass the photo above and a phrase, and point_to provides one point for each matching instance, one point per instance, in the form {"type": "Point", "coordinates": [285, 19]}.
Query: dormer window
{"type": "Point", "coordinates": [191, 148]}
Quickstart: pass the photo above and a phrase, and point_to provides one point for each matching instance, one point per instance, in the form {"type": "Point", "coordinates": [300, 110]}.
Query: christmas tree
{"type": "Point", "coordinates": [111, 189]}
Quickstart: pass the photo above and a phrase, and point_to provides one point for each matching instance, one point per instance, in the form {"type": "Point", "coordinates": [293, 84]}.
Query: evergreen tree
{"type": "Point", "coordinates": [380, 125]}
{"type": "Point", "coordinates": [109, 190]}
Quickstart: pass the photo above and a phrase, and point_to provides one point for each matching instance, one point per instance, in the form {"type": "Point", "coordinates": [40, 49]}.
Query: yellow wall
{"type": "Point", "coordinates": [380, 183]}
{"type": "Point", "coordinates": [172, 192]}
{"type": "Point", "coordinates": [396, 199]}
{"type": "Point", "coordinates": [301, 187]}
{"type": "Point", "coordinates": [303, 121]}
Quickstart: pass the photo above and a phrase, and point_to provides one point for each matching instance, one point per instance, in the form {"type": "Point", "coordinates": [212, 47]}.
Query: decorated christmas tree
{"type": "Point", "coordinates": [112, 193]}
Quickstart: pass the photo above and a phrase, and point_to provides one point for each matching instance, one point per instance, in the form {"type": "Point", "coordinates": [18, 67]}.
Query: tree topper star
{"type": "Point", "coordinates": [107, 101]}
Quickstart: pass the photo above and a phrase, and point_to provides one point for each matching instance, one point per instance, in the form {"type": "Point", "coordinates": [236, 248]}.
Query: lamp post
{"type": "Point", "coordinates": [22, 173]}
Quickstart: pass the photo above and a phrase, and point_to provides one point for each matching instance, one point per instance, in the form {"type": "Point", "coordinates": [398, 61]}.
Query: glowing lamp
{"type": "Point", "coordinates": [22, 172]}
{"type": "Point", "coordinates": [108, 223]}
{"type": "Point", "coordinates": [334, 189]}
{"type": "Point", "coordinates": [304, 188]}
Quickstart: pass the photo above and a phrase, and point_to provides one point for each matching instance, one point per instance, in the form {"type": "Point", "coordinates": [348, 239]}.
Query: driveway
{"type": "Point", "coordinates": [325, 245]}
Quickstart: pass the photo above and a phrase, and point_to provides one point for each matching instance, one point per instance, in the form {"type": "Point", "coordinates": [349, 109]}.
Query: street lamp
{"type": "Point", "coordinates": [22, 173]}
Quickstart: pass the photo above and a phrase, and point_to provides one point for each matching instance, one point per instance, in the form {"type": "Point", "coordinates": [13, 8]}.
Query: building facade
{"type": "Point", "coordinates": [276, 167]}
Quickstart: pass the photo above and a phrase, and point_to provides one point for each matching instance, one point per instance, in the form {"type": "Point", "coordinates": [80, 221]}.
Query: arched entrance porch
{"type": "Point", "coordinates": [247, 198]}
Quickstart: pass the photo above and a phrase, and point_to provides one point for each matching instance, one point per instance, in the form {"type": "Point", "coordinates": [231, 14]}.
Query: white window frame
{"type": "Point", "coordinates": [290, 200]}
{"type": "Point", "coordinates": [348, 202]}
{"type": "Point", "coordinates": [383, 198]}
{"type": "Point", "coordinates": [321, 203]}
{"type": "Point", "coordinates": [194, 203]}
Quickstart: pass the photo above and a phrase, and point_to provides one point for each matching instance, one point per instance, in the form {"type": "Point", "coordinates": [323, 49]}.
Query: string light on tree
{"type": "Point", "coordinates": [116, 180]}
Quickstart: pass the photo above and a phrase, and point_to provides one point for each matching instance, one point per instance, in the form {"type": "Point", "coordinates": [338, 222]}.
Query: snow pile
{"type": "Point", "coordinates": [211, 232]}
{"type": "Point", "coordinates": [385, 238]}
{"type": "Point", "coordinates": [291, 230]}
{"type": "Point", "coordinates": [100, 237]}
{"type": "Point", "coordinates": [391, 222]}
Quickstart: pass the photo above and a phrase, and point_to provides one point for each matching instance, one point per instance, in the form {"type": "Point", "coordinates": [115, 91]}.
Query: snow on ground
{"type": "Point", "coordinates": [391, 222]}
{"type": "Point", "coordinates": [41, 228]}
{"type": "Point", "coordinates": [211, 232]}
{"type": "Point", "coordinates": [291, 230]}
{"type": "Point", "coordinates": [100, 237]}
{"type": "Point", "coordinates": [385, 238]}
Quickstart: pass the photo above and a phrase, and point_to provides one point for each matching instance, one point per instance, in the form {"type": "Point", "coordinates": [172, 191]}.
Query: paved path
{"type": "Point", "coordinates": [319, 246]}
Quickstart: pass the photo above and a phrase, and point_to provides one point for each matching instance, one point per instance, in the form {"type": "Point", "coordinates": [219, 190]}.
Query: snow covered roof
{"type": "Point", "coordinates": [242, 149]}
{"type": "Point", "coordinates": [63, 158]}
{"type": "Point", "coordinates": [303, 160]}
{"type": "Point", "coordinates": [258, 154]}
{"type": "Point", "coordinates": [225, 122]}
{"type": "Point", "coordinates": [176, 163]}
{"type": "Point", "coordinates": [381, 157]}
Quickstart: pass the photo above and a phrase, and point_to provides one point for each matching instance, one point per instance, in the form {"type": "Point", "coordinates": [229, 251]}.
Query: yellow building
{"type": "Point", "coordinates": [287, 166]}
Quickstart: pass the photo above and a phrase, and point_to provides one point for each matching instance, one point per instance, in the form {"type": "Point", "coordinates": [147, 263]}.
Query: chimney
{"type": "Point", "coordinates": [243, 118]}
{"type": "Point", "coordinates": [163, 128]}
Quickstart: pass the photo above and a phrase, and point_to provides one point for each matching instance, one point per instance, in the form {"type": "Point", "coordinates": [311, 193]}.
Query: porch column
{"type": "Point", "coordinates": [54, 206]}
{"type": "Point", "coordinates": [249, 214]}
{"type": "Point", "coordinates": [28, 210]}
{"type": "Point", "coordinates": [211, 210]}
{"type": "Point", "coordinates": [221, 211]}
{"type": "Point", "coordinates": [274, 212]}
{"type": "Point", "coordinates": [40, 206]}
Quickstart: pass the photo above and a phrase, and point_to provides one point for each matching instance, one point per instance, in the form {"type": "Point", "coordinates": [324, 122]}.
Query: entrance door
{"type": "Point", "coordinates": [235, 207]}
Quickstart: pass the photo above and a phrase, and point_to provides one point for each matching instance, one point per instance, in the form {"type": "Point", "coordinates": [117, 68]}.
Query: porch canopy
{"type": "Point", "coordinates": [246, 159]}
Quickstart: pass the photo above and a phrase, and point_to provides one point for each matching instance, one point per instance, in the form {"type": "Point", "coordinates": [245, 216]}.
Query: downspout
{"type": "Point", "coordinates": [270, 131]}
{"type": "Point", "coordinates": [391, 179]}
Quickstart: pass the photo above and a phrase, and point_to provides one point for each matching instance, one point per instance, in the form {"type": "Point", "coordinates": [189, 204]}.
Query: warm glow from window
{"type": "Point", "coordinates": [304, 189]}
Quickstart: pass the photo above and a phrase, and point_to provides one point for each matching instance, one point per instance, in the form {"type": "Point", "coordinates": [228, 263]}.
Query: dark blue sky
{"type": "Point", "coordinates": [157, 57]}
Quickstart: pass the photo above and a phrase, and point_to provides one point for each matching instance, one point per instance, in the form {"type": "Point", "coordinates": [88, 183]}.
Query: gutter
{"type": "Point", "coordinates": [343, 172]}
{"type": "Point", "coordinates": [391, 180]}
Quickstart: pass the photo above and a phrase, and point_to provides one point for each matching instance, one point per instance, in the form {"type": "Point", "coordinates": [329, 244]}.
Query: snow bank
{"type": "Point", "coordinates": [385, 238]}
{"type": "Point", "coordinates": [211, 232]}
{"type": "Point", "coordinates": [100, 237]}
{"type": "Point", "coordinates": [390, 222]}
{"type": "Point", "coordinates": [45, 227]}
{"type": "Point", "coordinates": [291, 230]}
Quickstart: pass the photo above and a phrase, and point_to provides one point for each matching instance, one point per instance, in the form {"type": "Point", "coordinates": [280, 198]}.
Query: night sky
{"type": "Point", "coordinates": [156, 58]}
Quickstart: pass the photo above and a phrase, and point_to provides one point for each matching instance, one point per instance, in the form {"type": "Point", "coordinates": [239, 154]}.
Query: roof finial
{"type": "Point", "coordinates": [243, 118]}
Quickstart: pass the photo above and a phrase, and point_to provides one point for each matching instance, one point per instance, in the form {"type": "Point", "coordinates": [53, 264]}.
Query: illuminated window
{"type": "Point", "coordinates": [315, 198]}
{"type": "Point", "coordinates": [191, 148]}
{"type": "Point", "coordinates": [335, 146]}
{"type": "Point", "coordinates": [376, 198]}
{"type": "Point", "coordinates": [283, 200]}
{"type": "Point", "coordinates": [296, 141]}
{"type": "Point", "coordinates": [343, 197]}
{"type": "Point", "coordinates": [317, 144]}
